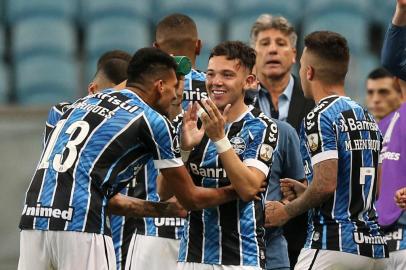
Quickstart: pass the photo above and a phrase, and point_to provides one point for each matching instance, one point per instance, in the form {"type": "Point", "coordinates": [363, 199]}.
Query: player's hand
{"type": "Point", "coordinates": [213, 121]}
{"type": "Point", "coordinates": [191, 135]}
{"type": "Point", "coordinates": [291, 188]}
{"type": "Point", "coordinates": [400, 198]}
{"type": "Point", "coordinates": [275, 214]}
{"type": "Point", "coordinates": [175, 208]}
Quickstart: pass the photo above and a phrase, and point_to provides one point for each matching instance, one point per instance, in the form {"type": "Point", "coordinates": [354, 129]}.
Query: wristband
{"type": "Point", "coordinates": [223, 145]}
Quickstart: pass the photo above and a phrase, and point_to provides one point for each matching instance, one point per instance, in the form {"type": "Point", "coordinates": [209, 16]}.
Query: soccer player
{"type": "Point", "coordinates": [383, 93]}
{"type": "Point", "coordinates": [394, 45]}
{"type": "Point", "coordinates": [175, 34]}
{"type": "Point", "coordinates": [343, 142]}
{"type": "Point", "coordinates": [95, 149]}
{"type": "Point", "coordinates": [234, 146]}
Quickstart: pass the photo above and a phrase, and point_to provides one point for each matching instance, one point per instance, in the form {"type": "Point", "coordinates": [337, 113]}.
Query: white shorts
{"type": "Point", "coordinates": [397, 260]}
{"type": "Point", "coordinates": [65, 251]}
{"type": "Point", "coordinates": [315, 259]}
{"type": "Point", "coordinates": [201, 266]}
{"type": "Point", "coordinates": [152, 253]}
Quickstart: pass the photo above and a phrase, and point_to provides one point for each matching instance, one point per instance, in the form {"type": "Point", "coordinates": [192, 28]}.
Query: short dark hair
{"type": "Point", "coordinates": [379, 73]}
{"type": "Point", "coordinates": [236, 50]}
{"type": "Point", "coordinates": [115, 70]}
{"type": "Point", "coordinates": [113, 54]}
{"type": "Point", "coordinates": [177, 31]}
{"type": "Point", "coordinates": [149, 63]}
{"type": "Point", "coordinates": [333, 53]}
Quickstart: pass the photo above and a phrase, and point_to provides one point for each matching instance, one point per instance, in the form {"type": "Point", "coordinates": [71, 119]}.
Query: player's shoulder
{"type": "Point", "coordinates": [256, 116]}
{"type": "Point", "coordinates": [327, 110]}
{"type": "Point", "coordinates": [61, 107]}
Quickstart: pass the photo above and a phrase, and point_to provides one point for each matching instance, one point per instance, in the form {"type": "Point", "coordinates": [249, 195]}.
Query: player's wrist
{"type": "Point", "coordinates": [223, 145]}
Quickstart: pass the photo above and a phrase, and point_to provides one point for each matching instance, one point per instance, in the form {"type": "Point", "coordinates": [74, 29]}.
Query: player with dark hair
{"type": "Point", "coordinates": [383, 93]}
{"type": "Point", "coordinates": [175, 34]}
{"type": "Point", "coordinates": [95, 149]}
{"type": "Point", "coordinates": [234, 147]}
{"type": "Point", "coordinates": [343, 142]}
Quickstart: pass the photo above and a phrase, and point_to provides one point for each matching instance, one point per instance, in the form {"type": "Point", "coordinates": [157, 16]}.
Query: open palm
{"type": "Point", "coordinates": [191, 134]}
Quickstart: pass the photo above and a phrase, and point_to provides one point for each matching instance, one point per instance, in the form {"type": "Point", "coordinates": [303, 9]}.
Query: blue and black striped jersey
{"type": "Point", "coordinates": [339, 128]}
{"type": "Point", "coordinates": [92, 153]}
{"type": "Point", "coordinates": [167, 227]}
{"type": "Point", "coordinates": [195, 88]}
{"type": "Point", "coordinates": [232, 233]}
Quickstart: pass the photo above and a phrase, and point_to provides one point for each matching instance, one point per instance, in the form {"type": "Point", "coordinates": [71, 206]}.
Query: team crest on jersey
{"type": "Point", "coordinates": [238, 144]}
{"type": "Point", "coordinates": [313, 141]}
{"type": "Point", "coordinates": [265, 152]}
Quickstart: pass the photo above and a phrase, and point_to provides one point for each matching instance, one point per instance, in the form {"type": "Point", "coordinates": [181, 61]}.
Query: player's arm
{"type": "Point", "coordinates": [191, 196]}
{"type": "Point", "coordinates": [393, 50]}
{"type": "Point", "coordinates": [399, 18]}
{"type": "Point", "coordinates": [248, 176]}
{"type": "Point", "coordinates": [124, 205]}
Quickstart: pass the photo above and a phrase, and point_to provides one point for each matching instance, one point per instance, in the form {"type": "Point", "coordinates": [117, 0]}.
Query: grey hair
{"type": "Point", "coordinates": [267, 21]}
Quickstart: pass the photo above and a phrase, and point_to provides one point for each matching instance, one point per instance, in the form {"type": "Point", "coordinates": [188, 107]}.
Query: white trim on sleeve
{"type": "Point", "coordinates": [251, 162]}
{"type": "Point", "coordinates": [168, 163]}
{"type": "Point", "coordinates": [330, 154]}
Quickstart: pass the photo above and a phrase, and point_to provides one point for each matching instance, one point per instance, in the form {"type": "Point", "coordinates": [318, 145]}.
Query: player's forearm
{"type": "Point", "coordinates": [399, 19]}
{"type": "Point", "coordinates": [132, 207]}
{"type": "Point", "coordinates": [245, 182]}
{"type": "Point", "coordinates": [210, 197]}
{"type": "Point", "coordinates": [320, 189]}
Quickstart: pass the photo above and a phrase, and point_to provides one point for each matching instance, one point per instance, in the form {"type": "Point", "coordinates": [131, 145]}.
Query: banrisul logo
{"type": "Point", "coordinates": [48, 212]}
{"type": "Point", "coordinates": [238, 145]}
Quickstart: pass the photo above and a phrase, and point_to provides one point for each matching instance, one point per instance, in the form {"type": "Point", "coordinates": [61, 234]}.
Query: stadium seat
{"type": "Point", "coordinates": [102, 35]}
{"type": "Point", "coordinates": [43, 35]}
{"type": "Point", "coordinates": [44, 80]}
{"type": "Point", "coordinates": [4, 84]}
{"type": "Point", "coordinates": [319, 6]}
{"type": "Point", "coordinates": [215, 7]}
{"type": "Point", "coordinates": [22, 9]}
{"type": "Point", "coordinates": [353, 26]}
{"type": "Point", "coordinates": [92, 10]}
{"type": "Point", "coordinates": [289, 9]}
{"type": "Point", "coordinates": [360, 66]}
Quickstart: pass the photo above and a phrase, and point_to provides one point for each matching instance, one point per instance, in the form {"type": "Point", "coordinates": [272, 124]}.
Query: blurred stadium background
{"type": "Point", "coordinates": [49, 48]}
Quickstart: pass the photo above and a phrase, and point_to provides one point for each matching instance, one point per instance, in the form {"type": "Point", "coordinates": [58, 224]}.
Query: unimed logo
{"type": "Point", "coordinates": [48, 212]}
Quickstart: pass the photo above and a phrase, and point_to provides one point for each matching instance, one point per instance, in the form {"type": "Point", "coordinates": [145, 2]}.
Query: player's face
{"type": "Point", "coordinates": [275, 54]}
{"type": "Point", "coordinates": [179, 91]}
{"type": "Point", "coordinates": [382, 98]}
{"type": "Point", "coordinates": [225, 81]}
{"type": "Point", "coordinates": [167, 93]}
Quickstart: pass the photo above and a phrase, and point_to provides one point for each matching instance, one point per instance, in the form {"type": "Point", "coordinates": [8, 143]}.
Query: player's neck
{"type": "Point", "coordinates": [322, 91]}
{"type": "Point", "coordinates": [236, 110]}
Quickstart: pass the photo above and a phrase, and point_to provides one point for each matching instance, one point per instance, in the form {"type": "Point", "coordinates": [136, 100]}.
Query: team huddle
{"type": "Point", "coordinates": [162, 166]}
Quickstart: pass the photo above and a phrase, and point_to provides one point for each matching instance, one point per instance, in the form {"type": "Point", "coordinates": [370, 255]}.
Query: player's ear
{"type": "Point", "coordinates": [294, 55]}
{"type": "Point", "coordinates": [310, 73]}
{"type": "Point", "coordinates": [92, 88]}
{"type": "Point", "coordinates": [155, 45]}
{"type": "Point", "coordinates": [159, 86]}
{"type": "Point", "coordinates": [198, 46]}
{"type": "Point", "coordinates": [250, 81]}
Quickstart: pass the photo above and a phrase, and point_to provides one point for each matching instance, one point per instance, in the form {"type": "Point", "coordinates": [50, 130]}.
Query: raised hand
{"type": "Point", "coordinates": [213, 121]}
{"type": "Point", "coordinates": [400, 198]}
{"type": "Point", "coordinates": [291, 188]}
{"type": "Point", "coordinates": [191, 135]}
{"type": "Point", "coordinates": [275, 214]}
